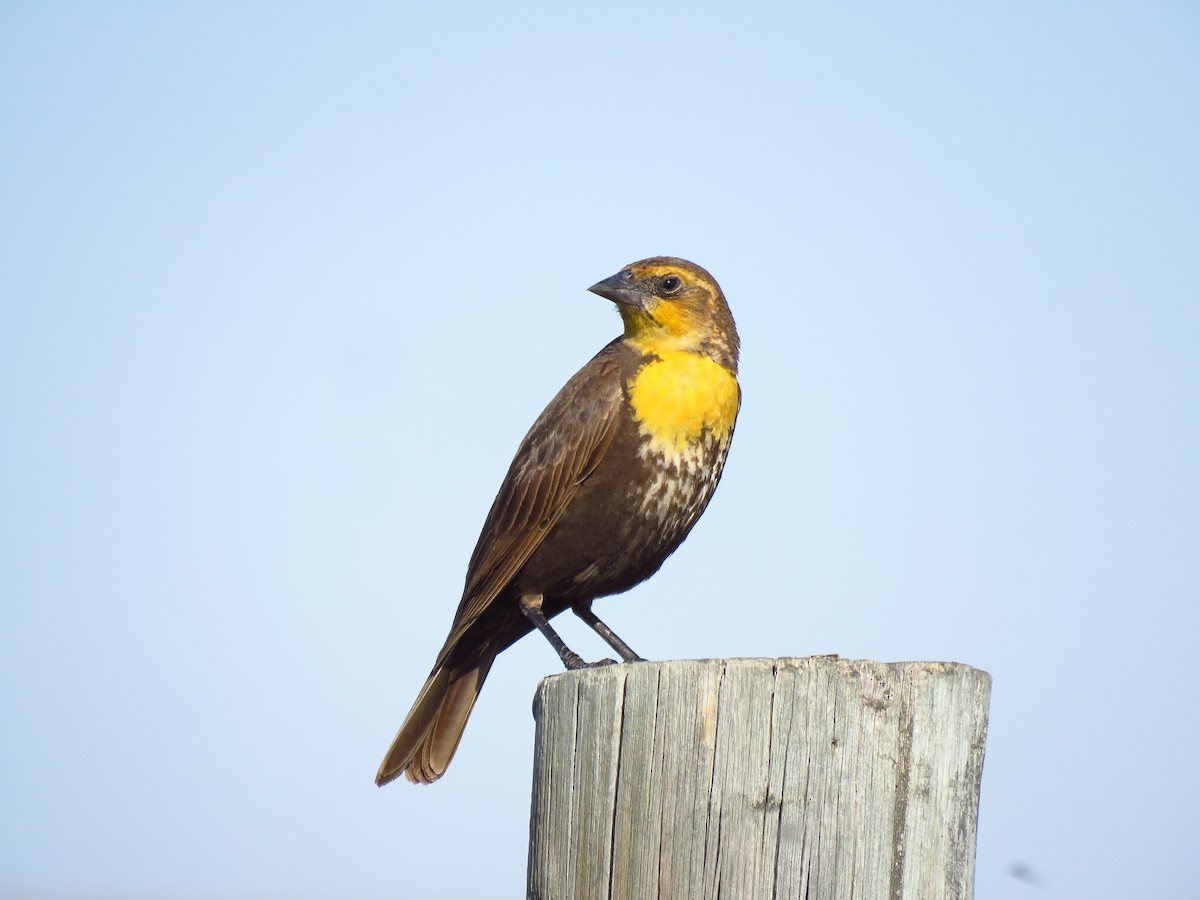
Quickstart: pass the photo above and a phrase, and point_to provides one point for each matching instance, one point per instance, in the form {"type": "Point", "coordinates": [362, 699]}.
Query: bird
{"type": "Point", "coordinates": [605, 486]}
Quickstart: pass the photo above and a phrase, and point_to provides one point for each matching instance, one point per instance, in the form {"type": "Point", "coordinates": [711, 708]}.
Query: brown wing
{"type": "Point", "coordinates": [561, 450]}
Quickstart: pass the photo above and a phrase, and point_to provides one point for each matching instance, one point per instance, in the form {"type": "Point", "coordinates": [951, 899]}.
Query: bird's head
{"type": "Point", "coordinates": [672, 304]}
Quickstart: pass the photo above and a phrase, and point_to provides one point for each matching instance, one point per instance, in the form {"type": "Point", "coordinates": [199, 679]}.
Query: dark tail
{"type": "Point", "coordinates": [426, 742]}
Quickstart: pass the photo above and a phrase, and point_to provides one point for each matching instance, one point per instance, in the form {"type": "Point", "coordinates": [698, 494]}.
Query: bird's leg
{"type": "Point", "coordinates": [584, 611]}
{"type": "Point", "coordinates": [531, 605]}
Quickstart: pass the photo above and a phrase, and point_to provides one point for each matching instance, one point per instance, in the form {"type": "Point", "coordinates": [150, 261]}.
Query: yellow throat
{"type": "Point", "coordinates": [678, 397]}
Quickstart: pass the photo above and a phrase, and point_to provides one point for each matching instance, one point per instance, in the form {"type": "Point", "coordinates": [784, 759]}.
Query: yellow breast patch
{"type": "Point", "coordinates": [679, 396]}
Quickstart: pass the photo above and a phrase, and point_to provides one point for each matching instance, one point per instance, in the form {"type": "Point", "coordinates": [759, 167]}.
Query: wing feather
{"type": "Point", "coordinates": [561, 450]}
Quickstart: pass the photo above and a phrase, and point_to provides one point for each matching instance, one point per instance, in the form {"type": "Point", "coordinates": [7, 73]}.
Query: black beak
{"type": "Point", "coordinates": [619, 289]}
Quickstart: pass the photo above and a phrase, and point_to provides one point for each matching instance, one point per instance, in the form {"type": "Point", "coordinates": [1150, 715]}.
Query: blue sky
{"type": "Point", "coordinates": [283, 285]}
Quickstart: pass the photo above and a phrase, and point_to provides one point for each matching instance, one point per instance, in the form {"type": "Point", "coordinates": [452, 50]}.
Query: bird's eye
{"type": "Point", "coordinates": [670, 284]}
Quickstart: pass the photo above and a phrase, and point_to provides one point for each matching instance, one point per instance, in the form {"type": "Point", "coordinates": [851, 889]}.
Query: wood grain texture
{"type": "Point", "coordinates": [821, 778]}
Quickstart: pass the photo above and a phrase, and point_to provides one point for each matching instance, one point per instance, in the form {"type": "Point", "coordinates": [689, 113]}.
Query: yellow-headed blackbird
{"type": "Point", "coordinates": [607, 483]}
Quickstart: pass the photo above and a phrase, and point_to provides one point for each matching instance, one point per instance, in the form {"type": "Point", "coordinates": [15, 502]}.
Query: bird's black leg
{"type": "Point", "coordinates": [531, 605]}
{"type": "Point", "coordinates": [584, 611]}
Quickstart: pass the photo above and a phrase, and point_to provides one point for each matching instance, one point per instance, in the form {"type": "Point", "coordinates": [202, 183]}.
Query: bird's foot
{"type": "Point", "coordinates": [573, 660]}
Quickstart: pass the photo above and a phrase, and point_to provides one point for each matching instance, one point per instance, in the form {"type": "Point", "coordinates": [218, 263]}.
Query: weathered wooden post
{"type": "Point", "coordinates": [821, 778]}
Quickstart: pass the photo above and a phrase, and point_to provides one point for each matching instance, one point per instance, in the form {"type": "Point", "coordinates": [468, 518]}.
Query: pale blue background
{"type": "Point", "coordinates": [284, 284]}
